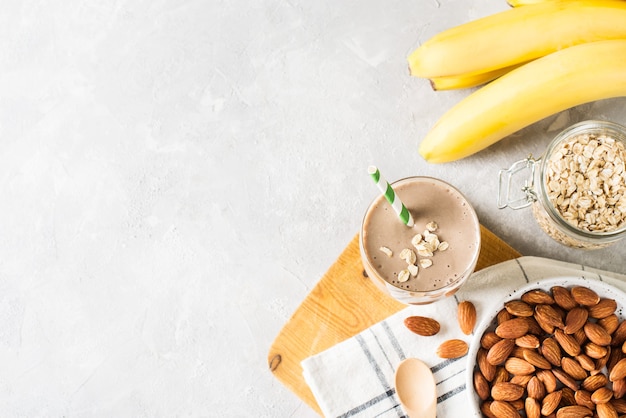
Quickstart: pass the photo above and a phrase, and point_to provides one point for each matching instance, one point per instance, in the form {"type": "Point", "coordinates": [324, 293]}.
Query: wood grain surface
{"type": "Point", "coordinates": [343, 303]}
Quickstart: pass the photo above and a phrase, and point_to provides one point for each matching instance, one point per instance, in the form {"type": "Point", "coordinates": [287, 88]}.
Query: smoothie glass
{"type": "Point", "coordinates": [437, 209]}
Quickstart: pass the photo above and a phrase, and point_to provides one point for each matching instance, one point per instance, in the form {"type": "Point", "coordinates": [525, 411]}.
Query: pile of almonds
{"type": "Point", "coordinates": [554, 354]}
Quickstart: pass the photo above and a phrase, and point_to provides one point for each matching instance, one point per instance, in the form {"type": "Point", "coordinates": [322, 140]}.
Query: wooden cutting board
{"type": "Point", "coordinates": [342, 304]}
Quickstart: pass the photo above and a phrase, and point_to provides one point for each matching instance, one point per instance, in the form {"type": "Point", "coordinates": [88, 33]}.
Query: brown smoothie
{"type": "Point", "coordinates": [428, 200]}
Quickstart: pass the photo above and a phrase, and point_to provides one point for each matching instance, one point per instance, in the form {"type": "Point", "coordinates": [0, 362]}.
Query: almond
{"type": "Point", "coordinates": [567, 342]}
{"type": "Point", "coordinates": [487, 369]}
{"type": "Point", "coordinates": [452, 349]}
{"type": "Point", "coordinates": [562, 312]}
{"type": "Point", "coordinates": [550, 403]}
{"type": "Point", "coordinates": [535, 388]}
{"type": "Point", "coordinates": [527, 341]}
{"type": "Point", "coordinates": [606, 410]}
{"type": "Point", "coordinates": [618, 371]}
{"type": "Point", "coordinates": [586, 362]}
{"type": "Point", "coordinates": [518, 352]}
{"type": "Point", "coordinates": [500, 351]}
{"type": "Point", "coordinates": [489, 339]}
{"type": "Point", "coordinates": [545, 327]}
{"type": "Point", "coordinates": [518, 404]}
{"type": "Point", "coordinates": [566, 379]}
{"type": "Point", "coordinates": [603, 309]}
{"type": "Point", "coordinates": [502, 316]}
{"type": "Point", "coordinates": [422, 325]}
{"type": "Point", "coordinates": [619, 405]}
{"type": "Point", "coordinates": [502, 409]}
{"type": "Point", "coordinates": [519, 308]}
{"type": "Point", "coordinates": [574, 411]}
{"type": "Point", "coordinates": [583, 397]}
{"type": "Point", "coordinates": [537, 297]}
{"type": "Point", "coordinates": [609, 323]}
{"type": "Point", "coordinates": [486, 410]}
{"type": "Point", "coordinates": [532, 407]}
{"type": "Point", "coordinates": [575, 320]}
{"type": "Point", "coordinates": [548, 379]}
{"type": "Point", "coordinates": [619, 336]}
{"type": "Point", "coordinates": [597, 334]}
{"type": "Point", "coordinates": [533, 326]}
{"type": "Point", "coordinates": [551, 350]}
{"type": "Point", "coordinates": [563, 297]}
{"type": "Point", "coordinates": [481, 385]}
{"type": "Point", "coordinates": [595, 382]}
{"type": "Point", "coordinates": [567, 398]}
{"type": "Point", "coordinates": [548, 318]}
{"type": "Point", "coordinates": [612, 357]}
{"type": "Point", "coordinates": [595, 351]}
{"type": "Point", "coordinates": [619, 388]}
{"type": "Point", "coordinates": [602, 395]}
{"type": "Point", "coordinates": [609, 361]}
{"type": "Point", "coordinates": [573, 368]}
{"type": "Point", "coordinates": [518, 366]}
{"type": "Point", "coordinates": [602, 362]}
{"type": "Point", "coordinates": [466, 314]}
{"type": "Point", "coordinates": [501, 375]}
{"type": "Point", "coordinates": [506, 391]}
{"type": "Point", "coordinates": [512, 328]}
{"type": "Point", "coordinates": [580, 337]}
{"type": "Point", "coordinates": [521, 380]}
{"type": "Point", "coordinates": [584, 296]}
{"type": "Point", "coordinates": [536, 359]}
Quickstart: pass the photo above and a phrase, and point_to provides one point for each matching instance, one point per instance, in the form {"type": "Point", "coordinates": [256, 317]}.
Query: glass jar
{"type": "Point", "coordinates": [577, 189]}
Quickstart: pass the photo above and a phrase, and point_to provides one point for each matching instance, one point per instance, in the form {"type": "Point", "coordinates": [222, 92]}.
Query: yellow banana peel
{"type": "Point", "coordinates": [558, 81]}
{"type": "Point", "coordinates": [517, 35]}
{"type": "Point", "coordinates": [519, 3]}
{"type": "Point", "coordinates": [463, 81]}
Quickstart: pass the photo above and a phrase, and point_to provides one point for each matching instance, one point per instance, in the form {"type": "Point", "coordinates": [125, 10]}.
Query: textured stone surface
{"type": "Point", "coordinates": [176, 176]}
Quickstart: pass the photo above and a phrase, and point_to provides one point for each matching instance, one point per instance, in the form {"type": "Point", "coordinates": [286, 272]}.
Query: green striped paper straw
{"type": "Point", "coordinates": [387, 190]}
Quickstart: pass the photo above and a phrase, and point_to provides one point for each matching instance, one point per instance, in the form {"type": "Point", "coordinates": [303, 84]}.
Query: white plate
{"type": "Point", "coordinates": [603, 289]}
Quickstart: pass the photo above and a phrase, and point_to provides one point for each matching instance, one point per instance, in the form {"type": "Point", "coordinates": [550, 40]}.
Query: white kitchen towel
{"type": "Point", "coordinates": [356, 376]}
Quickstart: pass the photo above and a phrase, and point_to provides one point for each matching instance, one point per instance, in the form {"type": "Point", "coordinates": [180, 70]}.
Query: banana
{"type": "Point", "coordinates": [538, 89]}
{"type": "Point", "coordinates": [468, 80]}
{"type": "Point", "coordinates": [518, 3]}
{"type": "Point", "coordinates": [518, 35]}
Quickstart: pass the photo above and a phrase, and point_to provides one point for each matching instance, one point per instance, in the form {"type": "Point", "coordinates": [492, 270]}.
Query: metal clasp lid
{"type": "Point", "coordinates": [505, 182]}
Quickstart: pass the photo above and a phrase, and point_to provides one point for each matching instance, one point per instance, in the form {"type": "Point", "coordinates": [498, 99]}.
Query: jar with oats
{"type": "Point", "coordinates": [577, 189]}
